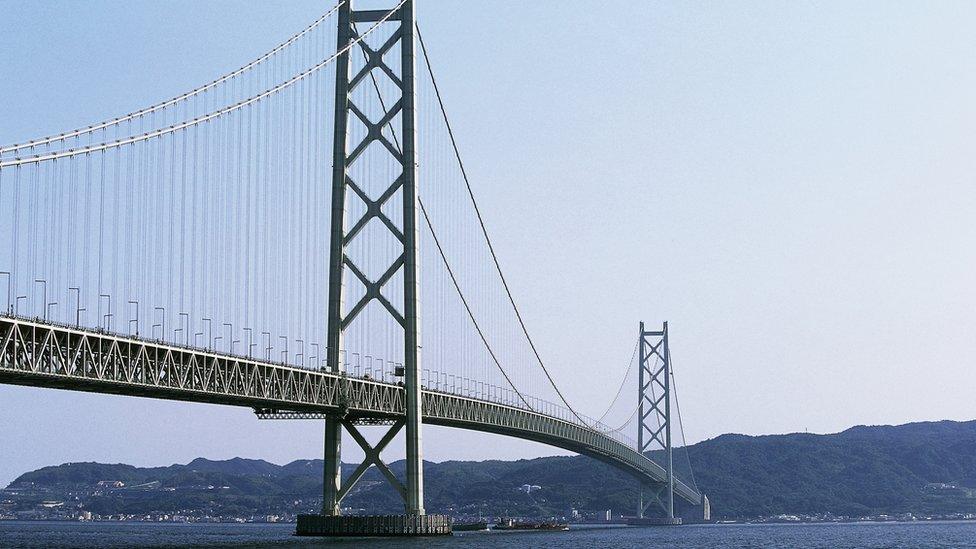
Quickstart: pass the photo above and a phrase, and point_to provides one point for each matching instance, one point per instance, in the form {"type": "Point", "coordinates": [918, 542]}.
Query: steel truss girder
{"type": "Point", "coordinates": [455, 411]}
{"type": "Point", "coordinates": [39, 354]}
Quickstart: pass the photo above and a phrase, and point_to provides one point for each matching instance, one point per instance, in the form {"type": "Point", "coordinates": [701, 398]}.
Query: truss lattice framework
{"type": "Point", "coordinates": [394, 111]}
{"type": "Point", "coordinates": [346, 155]}
{"type": "Point", "coordinates": [654, 413]}
{"type": "Point", "coordinates": [655, 421]}
{"type": "Point", "coordinates": [40, 354]}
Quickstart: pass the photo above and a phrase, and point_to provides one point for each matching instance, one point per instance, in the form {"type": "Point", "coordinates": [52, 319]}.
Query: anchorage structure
{"type": "Point", "coordinates": [654, 413]}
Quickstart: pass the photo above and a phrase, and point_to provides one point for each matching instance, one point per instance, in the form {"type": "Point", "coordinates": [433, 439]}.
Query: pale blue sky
{"type": "Point", "coordinates": [790, 184]}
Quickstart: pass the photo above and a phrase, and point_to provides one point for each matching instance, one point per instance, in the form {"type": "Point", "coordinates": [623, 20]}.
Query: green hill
{"type": "Point", "coordinates": [923, 468]}
{"type": "Point", "coordinates": [861, 471]}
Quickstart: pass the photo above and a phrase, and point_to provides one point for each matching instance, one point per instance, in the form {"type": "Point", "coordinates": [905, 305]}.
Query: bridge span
{"type": "Point", "coordinates": [36, 353]}
{"type": "Point", "coordinates": [220, 209]}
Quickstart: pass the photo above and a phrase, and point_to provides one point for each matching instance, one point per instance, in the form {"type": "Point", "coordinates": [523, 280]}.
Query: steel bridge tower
{"type": "Point", "coordinates": [654, 416]}
{"type": "Point", "coordinates": [342, 268]}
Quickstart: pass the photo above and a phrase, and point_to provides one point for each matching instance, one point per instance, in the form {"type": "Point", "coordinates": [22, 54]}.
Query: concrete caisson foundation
{"type": "Point", "coordinates": [373, 525]}
{"type": "Point", "coordinates": [654, 521]}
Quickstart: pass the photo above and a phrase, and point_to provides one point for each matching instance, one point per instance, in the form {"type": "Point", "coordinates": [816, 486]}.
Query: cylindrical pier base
{"type": "Point", "coordinates": [654, 521]}
{"type": "Point", "coordinates": [373, 525]}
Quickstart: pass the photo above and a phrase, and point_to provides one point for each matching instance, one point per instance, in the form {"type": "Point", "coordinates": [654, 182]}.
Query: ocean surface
{"type": "Point", "coordinates": [887, 535]}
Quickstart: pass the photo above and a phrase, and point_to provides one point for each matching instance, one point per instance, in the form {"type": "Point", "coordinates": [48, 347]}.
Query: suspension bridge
{"type": "Point", "coordinates": [255, 242]}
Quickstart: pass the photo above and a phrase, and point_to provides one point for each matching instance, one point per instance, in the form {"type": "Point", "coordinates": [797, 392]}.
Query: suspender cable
{"type": "Point", "coordinates": [623, 383]}
{"type": "Point", "coordinates": [95, 127]}
{"type": "Point", "coordinates": [467, 308]}
{"type": "Point", "coordinates": [681, 425]}
{"type": "Point", "coordinates": [484, 231]}
{"type": "Point", "coordinates": [199, 120]}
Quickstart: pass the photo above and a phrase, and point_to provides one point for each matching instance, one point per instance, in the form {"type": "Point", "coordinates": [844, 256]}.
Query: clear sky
{"type": "Point", "coordinates": [789, 184]}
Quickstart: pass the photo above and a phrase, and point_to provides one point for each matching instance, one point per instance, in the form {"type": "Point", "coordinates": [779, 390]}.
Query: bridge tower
{"type": "Point", "coordinates": [400, 142]}
{"type": "Point", "coordinates": [654, 416]}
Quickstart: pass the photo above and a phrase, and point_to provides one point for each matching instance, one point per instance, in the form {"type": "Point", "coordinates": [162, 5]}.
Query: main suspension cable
{"type": "Point", "coordinates": [681, 426]}
{"type": "Point", "coordinates": [484, 230]}
{"type": "Point", "coordinates": [630, 418]}
{"type": "Point", "coordinates": [205, 118]}
{"type": "Point", "coordinates": [623, 383]}
{"type": "Point", "coordinates": [95, 127]}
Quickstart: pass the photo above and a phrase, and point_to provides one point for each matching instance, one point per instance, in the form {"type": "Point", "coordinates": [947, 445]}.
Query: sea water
{"type": "Point", "coordinates": [869, 535]}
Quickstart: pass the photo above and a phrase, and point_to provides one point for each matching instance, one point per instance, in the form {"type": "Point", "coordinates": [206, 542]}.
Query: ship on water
{"type": "Point", "coordinates": [471, 527]}
{"type": "Point", "coordinates": [511, 524]}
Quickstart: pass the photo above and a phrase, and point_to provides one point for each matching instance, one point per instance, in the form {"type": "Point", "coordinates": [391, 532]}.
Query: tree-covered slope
{"type": "Point", "coordinates": [859, 472]}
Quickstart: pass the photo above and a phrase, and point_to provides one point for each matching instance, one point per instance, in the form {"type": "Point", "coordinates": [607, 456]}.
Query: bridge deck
{"type": "Point", "coordinates": [39, 354]}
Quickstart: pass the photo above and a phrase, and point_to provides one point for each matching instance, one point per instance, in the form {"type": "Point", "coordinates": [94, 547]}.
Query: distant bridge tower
{"type": "Point", "coordinates": [654, 416]}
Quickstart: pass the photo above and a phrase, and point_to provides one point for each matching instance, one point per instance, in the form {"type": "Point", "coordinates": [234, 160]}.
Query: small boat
{"type": "Point", "coordinates": [470, 527]}
{"type": "Point", "coordinates": [512, 525]}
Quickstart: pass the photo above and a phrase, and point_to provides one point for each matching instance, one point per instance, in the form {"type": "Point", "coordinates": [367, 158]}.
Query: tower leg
{"type": "Point", "coordinates": [333, 467]}
{"type": "Point", "coordinates": [333, 427]}
{"type": "Point", "coordinates": [640, 500]}
{"type": "Point", "coordinates": [641, 389]}
{"type": "Point", "coordinates": [411, 294]}
{"type": "Point", "coordinates": [667, 431]}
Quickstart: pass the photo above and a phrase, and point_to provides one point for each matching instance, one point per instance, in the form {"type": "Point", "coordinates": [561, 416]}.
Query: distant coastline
{"type": "Point", "coordinates": [913, 472]}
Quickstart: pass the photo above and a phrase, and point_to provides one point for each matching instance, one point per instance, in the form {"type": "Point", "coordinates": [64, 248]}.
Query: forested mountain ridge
{"type": "Point", "coordinates": [921, 468]}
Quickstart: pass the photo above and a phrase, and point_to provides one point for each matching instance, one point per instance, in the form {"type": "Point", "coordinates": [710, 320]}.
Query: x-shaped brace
{"type": "Point", "coordinates": [656, 495]}
{"type": "Point", "coordinates": [655, 436]}
{"type": "Point", "coordinates": [373, 458]}
{"type": "Point", "coordinates": [374, 59]}
{"type": "Point", "coordinates": [373, 290]}
{"type": "Point", "coordinates": [655, 403]}
{"type": "Point", "coordinates": [656, 379]}
{"type": "Point", "coordinates": [654, 350]}
{"type": "Point", "coordinates": [374, 208]}
{"type": "Point", "coordinates": [374, 132]}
